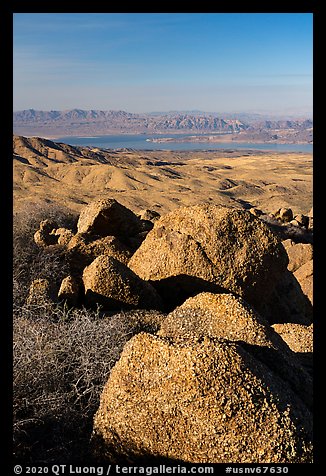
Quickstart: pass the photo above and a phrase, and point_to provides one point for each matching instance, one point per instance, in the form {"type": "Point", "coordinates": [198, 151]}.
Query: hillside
{"type": "Point", "coordinates": [47, 171]}
{"type": "Point", "coordinates": [95, 122]}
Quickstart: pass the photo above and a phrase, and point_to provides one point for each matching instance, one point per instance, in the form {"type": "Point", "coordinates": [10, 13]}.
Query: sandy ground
{"type": "Point", "coordinates": [160, 180]}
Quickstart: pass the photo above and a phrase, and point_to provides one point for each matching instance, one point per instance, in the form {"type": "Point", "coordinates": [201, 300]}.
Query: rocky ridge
{"type": "Point", "coordinates": [221, 380]}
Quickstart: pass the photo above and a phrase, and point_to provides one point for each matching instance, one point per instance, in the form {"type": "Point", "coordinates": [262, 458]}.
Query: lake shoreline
{"type": "Point", "coordinates": [177, 143]}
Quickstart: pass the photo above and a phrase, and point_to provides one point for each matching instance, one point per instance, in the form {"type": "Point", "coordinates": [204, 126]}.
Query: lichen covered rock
{"type": "Point", "coordinates": [206, 245]}
{"type": "Point", "coordinates": [200, 401]}
{"type": "Point", "coordinates": [110, 283]}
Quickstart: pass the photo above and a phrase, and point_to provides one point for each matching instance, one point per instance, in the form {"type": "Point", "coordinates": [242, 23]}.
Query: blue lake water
{"type": "Point", "coordinates": [138, 142]}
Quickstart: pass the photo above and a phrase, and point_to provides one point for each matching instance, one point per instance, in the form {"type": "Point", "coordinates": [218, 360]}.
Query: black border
{"type": "Point", "coordinates": [277, 6]}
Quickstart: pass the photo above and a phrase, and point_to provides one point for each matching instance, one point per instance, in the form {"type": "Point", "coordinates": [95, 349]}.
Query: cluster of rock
{"type": "Point", "coordinates": [107, 235]}
{"type": "Point", "coordinates": [286, 215]}
{"type": "Point", "coordinates": [288, 225]}
{"type": "Point", "coordinates": [227, 377]}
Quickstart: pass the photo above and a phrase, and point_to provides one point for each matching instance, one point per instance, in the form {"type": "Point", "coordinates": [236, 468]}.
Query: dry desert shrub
{"type": "Point", "coordinates": [60, 368]}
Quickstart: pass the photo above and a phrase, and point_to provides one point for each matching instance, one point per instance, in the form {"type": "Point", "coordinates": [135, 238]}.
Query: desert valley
{"type": "Point", "coordinates": [47, 171]}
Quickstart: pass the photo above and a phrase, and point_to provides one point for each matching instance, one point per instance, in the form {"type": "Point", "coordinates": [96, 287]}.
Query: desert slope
{"type": "Point", "coordinates": [161, 180]}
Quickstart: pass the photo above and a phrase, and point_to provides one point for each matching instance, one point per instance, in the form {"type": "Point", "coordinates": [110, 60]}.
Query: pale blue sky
{"type": "Point", "coordinates": [142, 62]}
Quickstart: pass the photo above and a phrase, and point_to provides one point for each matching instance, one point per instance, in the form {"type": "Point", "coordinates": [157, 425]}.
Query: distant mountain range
{"type": "Point", "coordinates": [96, 122]}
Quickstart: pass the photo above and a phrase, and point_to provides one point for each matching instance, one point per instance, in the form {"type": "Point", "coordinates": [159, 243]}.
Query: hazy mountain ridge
{"type": "Point", "coordinates": [122, 120]}
{"type": "Point", "coordinates": [285, 124]}
{"type": "Point", "coordinates": [98, 122]}
{"type": "Point", "coordinates": [32, 115]}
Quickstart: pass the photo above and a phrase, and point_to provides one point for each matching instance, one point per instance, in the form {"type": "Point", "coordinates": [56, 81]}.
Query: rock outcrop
{"type": "Point", "coordinates": [203, 248]}
{"type": "Point", "coordinates": [217, 382]}
{"type": "Point", "coordinates": [211, 248]}
{"type": "Point", "coordinates": [193, 400]}
{"type": "Point", "coordinates": [112, 284]}
{"type": "Point", "coordinates": [108, 217]}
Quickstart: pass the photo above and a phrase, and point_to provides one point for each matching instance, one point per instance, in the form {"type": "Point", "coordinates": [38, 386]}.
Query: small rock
{"type": "Point", "coordinates": [256, 212]}
{"type": "Point", "coordinates": [303, 220]}
{"type": "Point", "coordinates": [284, 214]}
{"type": "Point", "coordinates": [311, 223]}
{"type": "Point", "coordinates": [147, 214]}
{"type": "Point", "coordinates": [83, 249]}
{"type": "Point", "coordinates": [48, 225]}
{"type": "Point", "coordinates": [41, 291]}
{"type": "Point", "coordinates": [69, 290]}
{"type": "Point", "coordinates": [294, 222]}
{"type": "Point", "coordinates": [64, 235]}
{"type": "Point", "coordinates": [43, 236]}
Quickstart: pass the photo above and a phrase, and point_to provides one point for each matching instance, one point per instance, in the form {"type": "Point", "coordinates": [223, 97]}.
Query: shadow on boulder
{"type": "Point", "coordinates": [306, 360]}
{"type": "Point", "coordinates": [176, 289]}
{"type": "Point", "coordinates": [288, 303]}
{"type": "Point", "coordinates": [125, 452]}
{"type": "Point", "coordinates": [288, 367]}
